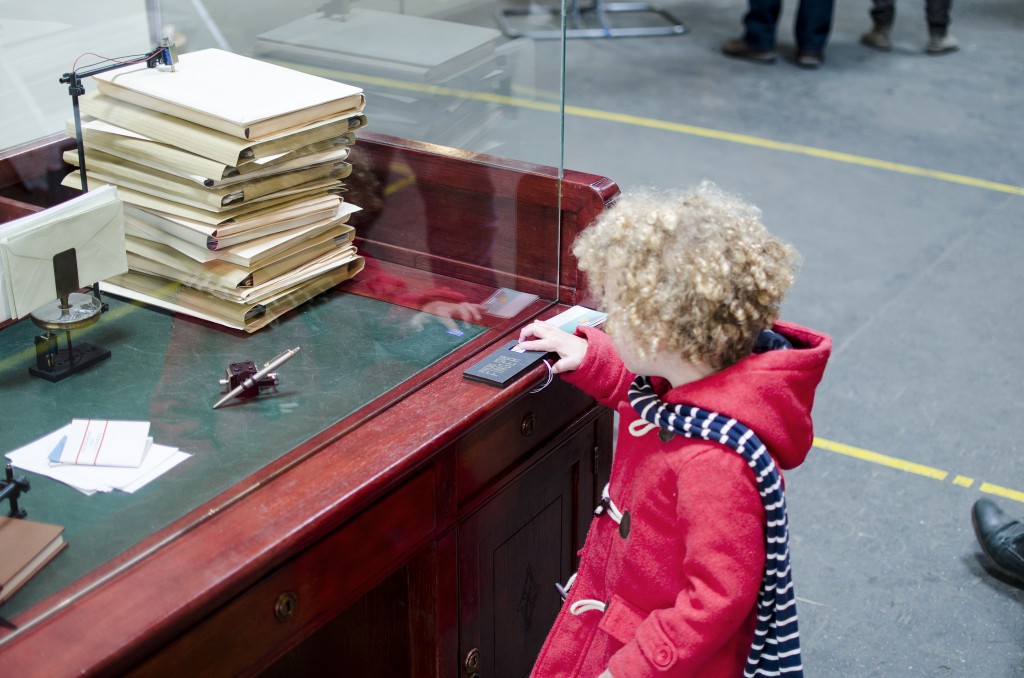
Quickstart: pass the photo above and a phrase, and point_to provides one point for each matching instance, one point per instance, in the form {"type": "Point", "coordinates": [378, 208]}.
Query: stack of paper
{"type": "Point", "coordinates": [232, 172]}
{"type": "Point", "coordinates": [99, 456]}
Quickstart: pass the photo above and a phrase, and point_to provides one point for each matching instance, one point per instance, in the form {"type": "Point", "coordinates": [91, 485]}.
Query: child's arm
{"type": "Point", "coordinates": [587, 360]}
{"type": "Point", "coordinates": [543, 336]}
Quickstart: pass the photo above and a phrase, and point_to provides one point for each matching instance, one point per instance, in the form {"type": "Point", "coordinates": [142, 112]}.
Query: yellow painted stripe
{"type": "Point", "coordinates": [912, 467]}
{"type": "Point", "coordinates": [681, 128]}
{"type": "Point", "coordinates": [1004, 492]}
{"type": "Point", "coordinates": [881, 459]}
{"type": "Point", "coordinates": [837, 156]}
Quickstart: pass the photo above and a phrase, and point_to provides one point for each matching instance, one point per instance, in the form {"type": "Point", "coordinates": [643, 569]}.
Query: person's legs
{"type": "Point", "coordinates": [883, 12]}
{"type": "Point", "coordinates": [936, 12]}
{"type": "Point", "coordinates": [1000, 537]}
{"type": "Point", "coordinates": [760, 23]}
{"type": "Point", "coordinates": [758, 40]}
{"type": "Point", "coordinates": [813, 24]}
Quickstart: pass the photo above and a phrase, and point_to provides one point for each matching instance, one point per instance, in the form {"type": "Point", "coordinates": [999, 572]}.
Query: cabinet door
{"type": "Point", "coordinates": [512, 551]}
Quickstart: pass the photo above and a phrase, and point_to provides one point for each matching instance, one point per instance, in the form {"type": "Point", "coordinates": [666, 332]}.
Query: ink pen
{"type": "Point", "coordinates": [249, 382]}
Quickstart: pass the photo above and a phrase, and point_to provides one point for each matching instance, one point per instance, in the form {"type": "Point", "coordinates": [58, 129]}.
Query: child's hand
{"type": "Point", "coordinates": [542, 336]}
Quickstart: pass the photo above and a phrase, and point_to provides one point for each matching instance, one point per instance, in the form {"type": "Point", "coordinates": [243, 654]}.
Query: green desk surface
{"type": "Point", "coordinates": [166, 371]}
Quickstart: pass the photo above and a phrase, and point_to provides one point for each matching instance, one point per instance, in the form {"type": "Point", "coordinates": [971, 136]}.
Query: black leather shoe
{"type": "Point", "coordinates": [1001, 538]}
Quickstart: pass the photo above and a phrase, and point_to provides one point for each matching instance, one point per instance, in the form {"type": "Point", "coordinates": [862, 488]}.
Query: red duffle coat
{"type": "Point", "coordinates": [681, 584]}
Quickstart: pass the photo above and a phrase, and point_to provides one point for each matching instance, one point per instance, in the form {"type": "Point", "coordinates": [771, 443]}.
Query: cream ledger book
{"type": "Point", "coordinates": [209, 142]}
{"type": "Point", "coordinates": [108, 168]}
{"type": "Point", "coordinates": [133, 147]}
{"type": "Point", "coordinates": [193, 235]}
{"type": "Point", "coordinates": [244, 97]}
{"type": "Point", "coordinates": [249, 317]}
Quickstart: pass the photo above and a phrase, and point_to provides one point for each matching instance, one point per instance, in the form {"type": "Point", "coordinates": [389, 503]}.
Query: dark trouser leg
{"type": "Point", "coordinates": [760, 21]}
{"type": "Point", "coordinates": [937, 14]}
{"type": "Point", "coordinates": [883, 12]}
{"type": "Point", "coordinates": [813, 23]}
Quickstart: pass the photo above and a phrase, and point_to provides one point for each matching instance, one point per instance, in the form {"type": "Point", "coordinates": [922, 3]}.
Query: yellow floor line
{"type": "Point", "coordinates": [912, 467]}
{"type": "Point", "coordinates": [881, 459]}
{"type": "Point", "coordinates": [681, 128]}
{"type": "Point", "coordinates": [836, 156]}
{"type": "Point", "coordinates": [1002, 492]}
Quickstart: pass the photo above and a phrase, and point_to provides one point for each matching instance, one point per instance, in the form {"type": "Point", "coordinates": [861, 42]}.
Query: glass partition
{"type": "Point", "coordinates": [456, 175]}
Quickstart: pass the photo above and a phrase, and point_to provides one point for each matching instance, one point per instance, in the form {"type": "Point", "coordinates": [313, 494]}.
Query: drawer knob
{"type": "Point", "coordinates": [529, 424]}
{"type": "Point", "coordinates": [284, 606]}
{"type": "Point", "coordinates": [472, 662]}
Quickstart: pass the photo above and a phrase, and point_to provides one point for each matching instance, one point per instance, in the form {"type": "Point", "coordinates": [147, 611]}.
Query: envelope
{"type": "Point", "coordinates": [91, 224]}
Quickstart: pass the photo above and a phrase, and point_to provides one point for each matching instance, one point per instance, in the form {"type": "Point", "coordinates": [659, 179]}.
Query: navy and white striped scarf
{"type": "Point", "coordinates": [776, 647]}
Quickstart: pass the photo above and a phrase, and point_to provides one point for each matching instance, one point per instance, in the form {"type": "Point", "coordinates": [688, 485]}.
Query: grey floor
{"type": "Point", "coordinates": [900, 178]}
{"type": "Point", "coordinates": [918, 279]}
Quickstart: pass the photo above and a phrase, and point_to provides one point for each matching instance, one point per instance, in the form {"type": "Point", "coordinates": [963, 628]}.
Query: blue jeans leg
{"type": "Point", "coordinates": [760, 23]}
{"type": "Point", "coordinates": [813, 24]}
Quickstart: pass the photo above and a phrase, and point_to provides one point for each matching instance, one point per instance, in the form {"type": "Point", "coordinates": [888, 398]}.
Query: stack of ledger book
{"type": "Point", "coordinates": [231, 172]}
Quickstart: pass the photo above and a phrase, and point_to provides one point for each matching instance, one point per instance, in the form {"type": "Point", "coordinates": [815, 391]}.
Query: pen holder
{"type": "Point", "coordinates": [238, 373]}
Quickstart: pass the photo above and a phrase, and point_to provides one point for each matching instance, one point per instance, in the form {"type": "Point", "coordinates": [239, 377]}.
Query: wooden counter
{"type": "Point", "coordinates": [419, 535]}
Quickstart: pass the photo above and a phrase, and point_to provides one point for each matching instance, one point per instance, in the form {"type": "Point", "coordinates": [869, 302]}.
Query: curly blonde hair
{"type": "Point", "coordinates": [693, 272]}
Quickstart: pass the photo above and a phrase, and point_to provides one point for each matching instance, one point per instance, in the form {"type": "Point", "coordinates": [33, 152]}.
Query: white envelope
{"type": "Point", "coordinates": [92, 224]}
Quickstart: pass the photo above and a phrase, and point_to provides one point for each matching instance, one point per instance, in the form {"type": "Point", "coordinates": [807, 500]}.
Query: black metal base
{"type": "Point", "coordinates": [65, 363]}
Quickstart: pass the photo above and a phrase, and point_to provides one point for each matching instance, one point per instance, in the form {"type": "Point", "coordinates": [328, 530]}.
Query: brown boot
{"type": "Point", "coordinates": [879, 37]}
{"type": "Point", "coordinates": [740, 49]}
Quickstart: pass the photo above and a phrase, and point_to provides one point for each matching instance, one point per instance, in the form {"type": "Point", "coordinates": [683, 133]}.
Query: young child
{"type": "Point", "coordinates": [685, 570]}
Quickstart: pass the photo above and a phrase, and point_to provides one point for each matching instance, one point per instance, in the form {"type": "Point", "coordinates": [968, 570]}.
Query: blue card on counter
{"type": "Point", "coordinates": [504, 365]}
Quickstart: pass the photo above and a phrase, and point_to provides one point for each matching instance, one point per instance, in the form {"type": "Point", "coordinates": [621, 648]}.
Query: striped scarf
{"type": "Point", "coordinates": [776, 647]}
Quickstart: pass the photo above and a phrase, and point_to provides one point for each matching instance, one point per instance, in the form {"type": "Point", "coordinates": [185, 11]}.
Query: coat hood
{"type": "Point", "coordinates": [771, 392]}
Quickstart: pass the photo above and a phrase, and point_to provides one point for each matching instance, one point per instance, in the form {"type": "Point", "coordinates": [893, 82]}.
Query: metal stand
{"type": "Point", "coordinates": [63, 315]}
{"type": "Point", "coordinates": [53, 365]}
{"type": "Point", "coordinates": [600, 10]}
{"type": "Point", "coordinates": [165, 53]}
{"type": "Point", "coordinates": [11, 488]}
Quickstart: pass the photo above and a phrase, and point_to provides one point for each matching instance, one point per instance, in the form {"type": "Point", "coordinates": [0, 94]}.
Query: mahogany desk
{"type": "Point", "coordinates": [419, 534]}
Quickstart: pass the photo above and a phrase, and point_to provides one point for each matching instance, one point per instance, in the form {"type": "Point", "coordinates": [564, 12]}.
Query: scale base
{"type": "Point", "coordinates": [64, 363]}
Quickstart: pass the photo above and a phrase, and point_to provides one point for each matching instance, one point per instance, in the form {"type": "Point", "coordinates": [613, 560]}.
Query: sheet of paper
{"type": "Point", "coordinates": [171, 456]}
{"type": "Point", "coordinates": [102, 442]}
{"type": "Point", "coordinates": [34, 457]}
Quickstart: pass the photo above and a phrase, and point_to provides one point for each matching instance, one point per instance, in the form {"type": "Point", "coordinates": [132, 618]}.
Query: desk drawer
{"type": "Point", "coordinates": [308, 591]}
{"type": "Point", "coordinates": [493, 447]}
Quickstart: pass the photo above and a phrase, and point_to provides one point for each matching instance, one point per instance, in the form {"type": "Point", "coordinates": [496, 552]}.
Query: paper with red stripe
{"type": "Point", "coordinates": [102, 442]}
